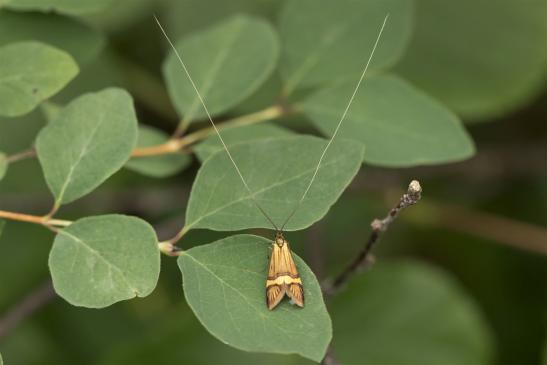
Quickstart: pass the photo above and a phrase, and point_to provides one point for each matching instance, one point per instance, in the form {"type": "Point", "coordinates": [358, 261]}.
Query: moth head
{"type": "Point", "coordinates": [279, 239]}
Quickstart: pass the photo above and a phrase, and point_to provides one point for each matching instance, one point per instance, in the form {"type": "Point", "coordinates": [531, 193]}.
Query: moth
{"type": "Point", "coordinates": [283, 278]}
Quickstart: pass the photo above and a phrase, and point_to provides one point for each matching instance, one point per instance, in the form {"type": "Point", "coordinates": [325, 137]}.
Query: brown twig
{"type": "Point", "coordinates": [42, 220]}
{"type": "Point", "coordinates": [177, 144]}
{"type": "Point", "coordinates": [412, 196]}
{"type": "Point", "coordinates": [329, 358]}
{"type": "Point", "coordinates": [21, 155]}
{"type": "Point", "coordinates": [30, 304]}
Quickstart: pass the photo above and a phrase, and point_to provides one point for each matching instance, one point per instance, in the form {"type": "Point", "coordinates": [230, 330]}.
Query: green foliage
{"type": "Point", "coordinates": [157, 166]}
{"type": "Point", "coordinates": [31, 72]}
{"type": "Point", "coordinates": [79, 40]}
{"type": "Point", "coordinates": [224, 284]}
{"type": "Point", "coordinates": [98, 261]}
{"type": "Point", "coordinates": [319, 42]}
{"type": "Point", "coordinates": [300, 58]}
{"type": "Point", "coordinates": [398, 124]}
{"type": "Point", "coordinates": [231, 136]}
{"type": "Point", "coordinates": [3, 165]}
{"type": "Point", "coordinates": [277, 171]}
{"type": "Point", "coordinates": [481, 60]}
{"type": "Point", "coordinates": [215, 58]}
{"type": "Point", "coordinates": [62, 6]}
{"type": "Point", "coordinates": [408, 313]}
{"type": "Point", "coordinates": [91, 139]}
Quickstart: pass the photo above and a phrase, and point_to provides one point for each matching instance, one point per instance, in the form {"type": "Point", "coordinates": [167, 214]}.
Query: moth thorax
{"type": "Point", "coordinates": [279, 239]}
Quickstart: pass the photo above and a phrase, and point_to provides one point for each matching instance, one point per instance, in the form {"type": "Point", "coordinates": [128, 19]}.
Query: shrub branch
{"type": "Point", "coordinates": [364, 258]}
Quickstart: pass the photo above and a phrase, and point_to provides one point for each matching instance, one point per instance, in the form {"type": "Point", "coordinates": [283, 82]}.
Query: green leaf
{"type": "Point", "coordinates": [90, 140]}
{"type": "Point", "coordinates": [228, 62]}
{"type": "Point", "coordinates": [2, 224]}
{"type": "Point", "coordinates": [278, 172]}
{"type": "Point", "coordinates": [487, 67]}
{"type": "Point", "coordinates": [3, 165]}
{"type": "Point", "coordinates": [98, 261]}
{"type": "Point", "coordinates": [408, 313]}
{"type": "Point", "coordinates": [224, 284]}
{"type": "Point", "coordinates": [238, 135]}
{"type": "Point", "coordinates": [31, 72]}
{"type": "Point", "coordinates": [157, 166]}
{"type": "Point", "coordinates": [327, 40]}
{"type": "Point", "coordinates": [206, 13]}
{"type": "Point", "coordinates": [400, 125]}
{"type": "Point", "coordinates": [73, 7]}
{"type": "Point", "coordinates": [76, 38]}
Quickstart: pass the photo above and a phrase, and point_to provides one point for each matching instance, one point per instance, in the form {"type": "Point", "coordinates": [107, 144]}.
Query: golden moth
{"type": "Point", "coordinates": [283, 278]}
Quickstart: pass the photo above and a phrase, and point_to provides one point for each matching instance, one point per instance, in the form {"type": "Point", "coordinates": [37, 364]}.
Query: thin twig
{"type": "Point", "coordinates": [42, 220]}
{"type": "Point", "coordinates": [175, 145]}
{"type": "Point", "coordinates": [30, 304]}
{"type": "Point", "coordinates": [378, 226]}
{"type": "Point", "coordinates": [21, 155]}
{"type": "Point", "coordinates": [329, 358]}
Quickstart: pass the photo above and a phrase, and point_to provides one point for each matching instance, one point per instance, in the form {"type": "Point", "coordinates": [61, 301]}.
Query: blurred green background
{"type": "Point", "coordinates": [470, 258]}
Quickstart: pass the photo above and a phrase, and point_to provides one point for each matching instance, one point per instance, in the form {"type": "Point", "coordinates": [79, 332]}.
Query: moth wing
{"type": "Point", "coordinates": [294, 290]}
{"type": "Point", "coordinates": [296, 293]}
{"type": "Point", "coordinates": [274, 294]}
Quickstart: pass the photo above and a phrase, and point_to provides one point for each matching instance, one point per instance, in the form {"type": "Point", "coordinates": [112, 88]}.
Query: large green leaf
{"type": "Point", "coordinates": [31, 72]}
{"type": "Point", "coordinates": [408, 313]}
{"type": "Point", "coordinates": [238, 135]}
{"type": "Point", "coordinates": [481, 58]}
{"type": "Point", "coordinates": [3, 165]}
{"type": "Point", "coordinates": [207, 12]}
{"type": "Point", "coordinates": [76, 7]}
{"type": "Point", "coordinates": [278, 172]}
{"type": "Point", "coordinates": [224, 284]}
{"type": "Point", "coordinates": [228, 62]}
{"type": "Point", "coordinates": [81, 41]}
{"type": "Point", "coordinates": [157, 166]}
{"type": "Point", "coordinates": [327, 40]}
{"type": "Point", "coordinates": [98, 261]}
{"type": "Point", "coordinates": [91, 139]}
{"type": "Point", "coordinates": [399, 125]}
{"type": "Point", "coordinates": [2, 224]}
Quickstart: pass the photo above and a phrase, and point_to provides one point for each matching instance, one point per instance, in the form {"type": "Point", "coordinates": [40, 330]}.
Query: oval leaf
{"type": "Point", "coordinates": [62, 6]}
{"type": "Point", "coordinates": [232, 136]}
{"type": "Point", "coordinates": [481, 69]}
{"type": "Point", "coordinates": [3, 165]}
{"type": "Point", "coordinates": [228, 63]}
{"type": "Point", "coordinates": [278, 172]}
{"type": "Point", "coordinates": [157, 166]}
{"type": "Point", "coordinates": [327, 40]}
{"type": "Point", "coordinates": [31, 72]}
{"type": "Point", "coordinates": [90, 139]}
{"type": "Point", "coordinates": [399, 125]}
{"type": "Point", "coordinates": [224, 284]}
{"type": "Point", "coordinates": [98, 261]}
{"type": "Point", "coordinates": [412, 308]}
{"type": "Point", "coordinates": [80, 40]}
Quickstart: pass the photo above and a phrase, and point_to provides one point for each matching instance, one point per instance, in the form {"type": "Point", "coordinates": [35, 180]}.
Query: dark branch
{"type": "Point", "coordinates": [364, 258]}
{"type": "Point", "coordinates": [30, 304]}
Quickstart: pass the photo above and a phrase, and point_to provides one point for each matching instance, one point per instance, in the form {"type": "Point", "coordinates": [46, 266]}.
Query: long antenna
{"type": "Point", "coordinates": [251, 194]}
{"type": "Point", "coordinates": [339, 123]}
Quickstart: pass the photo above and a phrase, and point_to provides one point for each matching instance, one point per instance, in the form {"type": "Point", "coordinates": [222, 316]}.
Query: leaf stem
{"type": "Point", "coordinates": [363, 259]}
{"type": "Point", "coordinates": [41, 220]}
{"type": "Point", "coordinates": [177, 144]}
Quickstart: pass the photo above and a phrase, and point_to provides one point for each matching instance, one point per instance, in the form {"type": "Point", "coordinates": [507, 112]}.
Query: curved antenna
{"type": "Point", "coordinates": [339, 123]}
{"type": "Point", "coordinates": [251, 194]}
